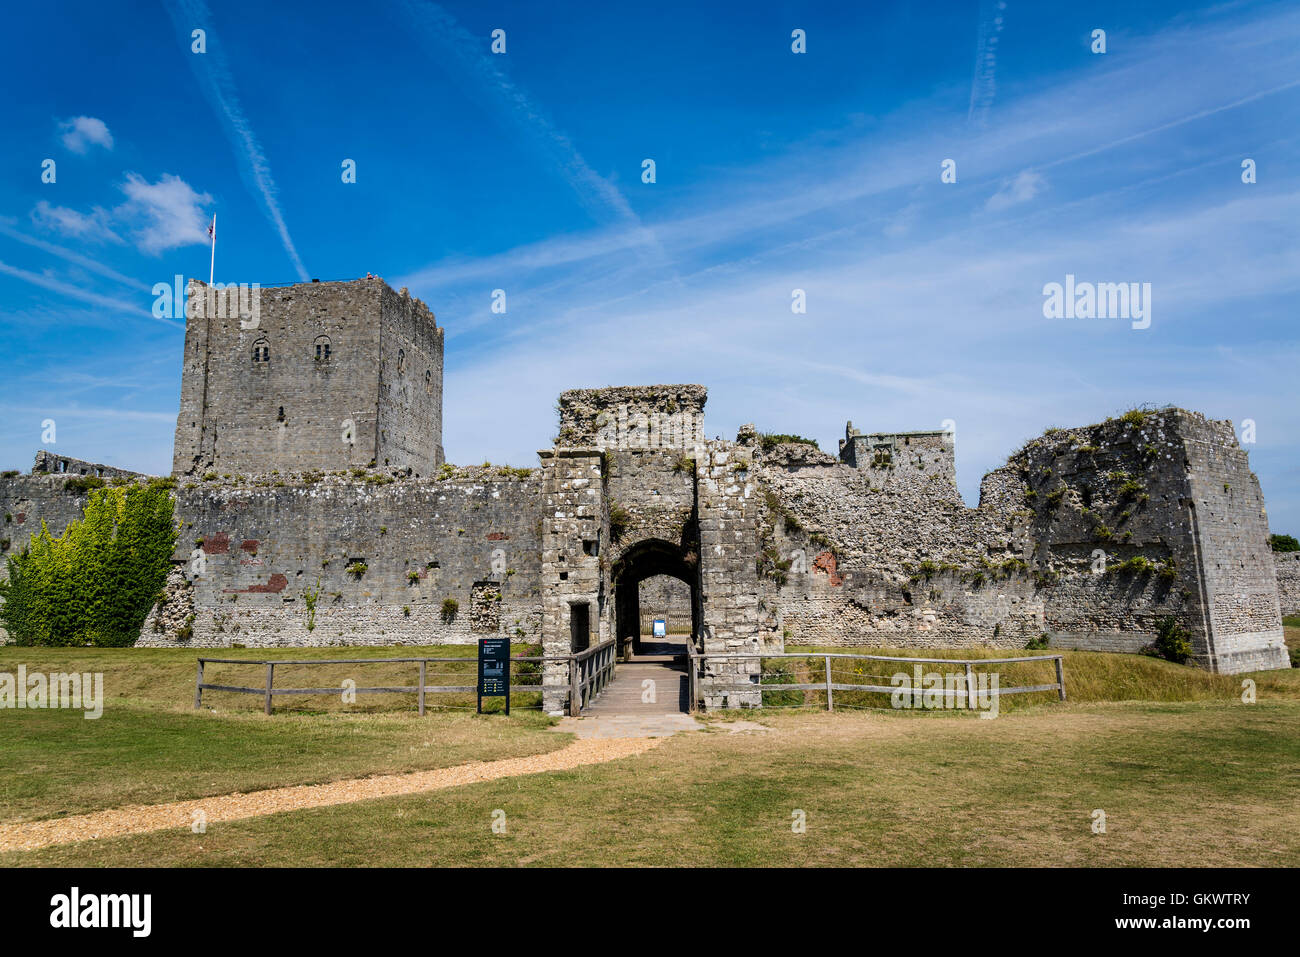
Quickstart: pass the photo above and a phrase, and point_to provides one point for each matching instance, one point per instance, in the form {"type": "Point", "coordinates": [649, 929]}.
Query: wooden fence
{"type": "Point", "coordinates": [588, 671]}
{"type": "Point", "coordinates": [697, 668]}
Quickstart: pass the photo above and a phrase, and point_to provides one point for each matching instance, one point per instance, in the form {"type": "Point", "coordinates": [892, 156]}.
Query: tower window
{"type": "Point", "coordinates": [428, 382]}
{"type": "Point", "coordinates": [401, 361]}
{"type": "Point", "coordinates": [322, 348]}
{"type": "Point", "coordinates": [261, 351]}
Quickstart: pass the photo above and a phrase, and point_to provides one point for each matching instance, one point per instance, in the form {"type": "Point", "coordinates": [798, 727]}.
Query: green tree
{"type": "Point", "coordinates": [94, 584]}
{"type": "Point", "coordinates": [1284, 543]}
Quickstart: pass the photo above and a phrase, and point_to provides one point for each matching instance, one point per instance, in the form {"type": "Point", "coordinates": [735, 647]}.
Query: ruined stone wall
{"type": "Point", "coordinates": [729, 507]}
{"type": "Point", "coordinates": [297, 409]}
{"type": "Point", "coordinates": [656, 491]}
{"type": "Point", "coordinates": [54, 464]}
{"type": "Point", "coordinates": [898, 453]}
{"type": "Point", "coordinates": [380, 558]}
{"type": "Point", "coordinates": [1231, 531]}
{"type": "Point", "coordinates": [1288, 581]}
{"type": "Point", "coordinates": [574, 531]}
{"type": "Point", "coordinates": [28, 500]}
{"type": "Point", "coordinates": [887, 555]}
{"type": "Point", "coordinates": [663, 596]}
{"type": "Point", "coordinates": [1091, 536]}
{"type": "Point", "coordinates": [629, 417]}
{"type": "Point", "coordinates": [1114, 550]}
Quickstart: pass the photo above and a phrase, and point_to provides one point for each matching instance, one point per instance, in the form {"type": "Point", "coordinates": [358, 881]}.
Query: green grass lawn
{"type": "Point", "coordinates": [1186, 773]}
{"type": "Point", "coordinates": [151, 746]}
{"type": "Point", "coordinates": [1181, 784]}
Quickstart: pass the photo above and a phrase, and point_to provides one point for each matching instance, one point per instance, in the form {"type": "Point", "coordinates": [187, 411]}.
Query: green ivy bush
{"type": "Point", "coordinates": [95, 584]}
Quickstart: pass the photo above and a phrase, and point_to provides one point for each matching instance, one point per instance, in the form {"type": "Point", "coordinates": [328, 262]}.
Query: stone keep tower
{"type": "Point", "coordinates": [319, 375]}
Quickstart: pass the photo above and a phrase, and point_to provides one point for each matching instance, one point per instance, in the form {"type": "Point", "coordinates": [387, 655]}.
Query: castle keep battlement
{"type": "Point", "coordinates": [316, 376]}
{"type": "Point", "coordinates": [1091, 536]}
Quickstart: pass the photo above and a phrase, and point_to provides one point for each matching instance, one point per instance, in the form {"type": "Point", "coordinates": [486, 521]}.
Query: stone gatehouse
{"type": "Point", "coordinates": [316, 510]}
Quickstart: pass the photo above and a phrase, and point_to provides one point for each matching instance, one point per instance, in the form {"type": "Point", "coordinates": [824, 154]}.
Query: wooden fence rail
{"type": "Point", "coordinates": [697, 675]}
{"type": "Point", "coordinates": [589, 672]}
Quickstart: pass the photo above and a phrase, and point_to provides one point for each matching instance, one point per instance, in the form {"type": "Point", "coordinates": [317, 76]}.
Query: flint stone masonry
{"type": "Point", "coordinates": [1288, 581]}
{"type": "Point", "coordinates": [379, 558]}
{"type": "Point", "coordinates": [624, 417]}
{"type": "Point", "coordinates": [1090, 536]}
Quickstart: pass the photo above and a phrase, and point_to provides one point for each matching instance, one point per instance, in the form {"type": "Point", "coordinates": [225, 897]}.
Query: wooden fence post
{"type": "Point", "coordinates": [830, 701]}
{"type": "Point", "coordinates": [970, 688]}
{"type": "Point", "coordinates": [270, 676]}
{"type": "Point", "coordinates": [198, 687]}
{"type": "Point", "coordinates": [1060, 677]}
{"type": "Point", "coordinates": [575, 701]}
{"type": "Point", "coordinates": [422, 664]}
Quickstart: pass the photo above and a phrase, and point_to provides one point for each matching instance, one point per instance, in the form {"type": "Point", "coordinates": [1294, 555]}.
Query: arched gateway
{"type": "Point", "coordinates": [650, 558]}
{"type": "Point", "coordinates": [632, 491]}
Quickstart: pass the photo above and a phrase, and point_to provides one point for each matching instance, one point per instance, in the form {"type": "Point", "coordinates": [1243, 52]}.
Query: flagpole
{"type": "Point", "coordinates": [212, 268]}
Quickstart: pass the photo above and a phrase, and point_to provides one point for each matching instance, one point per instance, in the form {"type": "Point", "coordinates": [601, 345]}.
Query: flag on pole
{"type": "Point", "coordinates": [212, 233]}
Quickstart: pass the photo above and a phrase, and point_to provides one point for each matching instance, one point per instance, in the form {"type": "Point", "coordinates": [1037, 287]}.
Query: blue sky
{"type": "Point", "coordinates": [775, 171]}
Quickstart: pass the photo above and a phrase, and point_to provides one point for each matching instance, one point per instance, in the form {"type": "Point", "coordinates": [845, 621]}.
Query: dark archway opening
{"type": "Point", "coordinates": [647, 559]}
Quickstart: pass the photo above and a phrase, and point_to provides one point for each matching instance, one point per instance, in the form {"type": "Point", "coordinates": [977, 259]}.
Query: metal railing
{"type": "Point", "coordinates": [589, 672]}
{"type": "Point", "coordinates": [697, 662]}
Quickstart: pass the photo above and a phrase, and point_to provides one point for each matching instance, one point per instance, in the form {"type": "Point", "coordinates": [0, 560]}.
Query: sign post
{"type": "Point", "coordinates": [660, 628]}
{"type": "Point", "coordinates": [493, 670]}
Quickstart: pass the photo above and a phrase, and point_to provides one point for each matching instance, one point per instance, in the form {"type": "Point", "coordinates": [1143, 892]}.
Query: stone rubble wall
{"type": "Point", "coordinates": [633, 417]}
{"type": "Point", "coordinates": [1086, 536]}
{"type": "Point", "coordinates": [1091, 536]}
{"type": "Point", "coordinates": [668, 598]}
{"type": "Point", "coordinates": [1230, 526]}
{"type": "Point", "coordinates": [853, 556]}
{"type": "Point", "coordinates": [54, 464]}
{"type": "Point", "coordinates": [379, 560]}
{"type": "Point", "coordinates": [1288, 581]}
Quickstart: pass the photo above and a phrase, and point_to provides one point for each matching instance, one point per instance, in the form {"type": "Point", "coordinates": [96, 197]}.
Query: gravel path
{"type": "Point", "coordinates": [141, 819]}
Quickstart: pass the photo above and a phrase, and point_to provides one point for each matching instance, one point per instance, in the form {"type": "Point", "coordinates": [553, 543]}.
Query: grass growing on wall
{"type": "Point", "coordinates": [94, 584]}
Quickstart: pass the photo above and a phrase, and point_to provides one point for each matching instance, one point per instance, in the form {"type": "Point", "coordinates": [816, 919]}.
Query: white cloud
{"type": "Point", "coordinates": [165, 214]}
{"type": "Point", "coordinates": [93, 226]}
{"type": "Point", "coordinates": [157, 217]}
{"type": "Point", "coordinates": [1022, 189]}
{"type": "Point", "coordinates": [80, 132]}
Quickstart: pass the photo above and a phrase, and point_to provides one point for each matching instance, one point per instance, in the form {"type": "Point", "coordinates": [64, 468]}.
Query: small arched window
{"type": "Point", "coordinates": [262, 350]}
{"type": "Point", "coordinates": [401, 361]}
{"type": "Point", "coordinates": [322, 348]}
{"type": "Point", "coordinates": [428, 382]}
